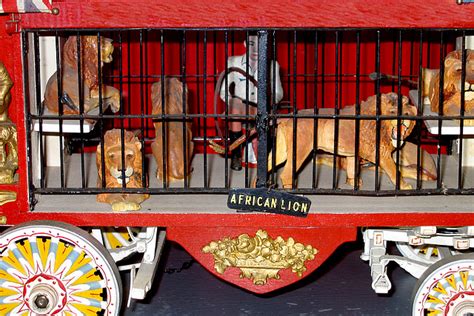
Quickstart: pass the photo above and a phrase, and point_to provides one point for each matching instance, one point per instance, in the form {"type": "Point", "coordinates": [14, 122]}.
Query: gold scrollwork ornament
{"type": "Point", "coordinates": [260, 258]}
{"type": "Point", "coordinates": [8, 132]}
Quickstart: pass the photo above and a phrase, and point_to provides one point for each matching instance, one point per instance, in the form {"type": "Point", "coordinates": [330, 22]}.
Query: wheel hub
{"type": "Point", "coordinates": [462, 304]}
{"type": "Point", "coordinates": [45, 294]}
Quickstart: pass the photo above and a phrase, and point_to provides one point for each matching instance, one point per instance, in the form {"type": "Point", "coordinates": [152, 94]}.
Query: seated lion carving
{"type": "Point", "coordinates": [177, 146]}
{"type": "Point", "coordinates": [452, 85]}
{"type": "Point", "coordinates": [346, 138]}
{"type": "Point", "coordinates": [113, 170]}
{"type": "Point", "coordinates": [89, 60]}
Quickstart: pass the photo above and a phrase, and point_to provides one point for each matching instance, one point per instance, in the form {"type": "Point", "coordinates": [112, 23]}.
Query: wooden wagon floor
{"type": "Point", "coordinates": [216, 203]}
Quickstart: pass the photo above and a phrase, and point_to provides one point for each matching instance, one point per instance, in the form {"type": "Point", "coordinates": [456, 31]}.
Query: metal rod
{"type": "Point", "coordinates": [262, 110]}
{"type": "Point", "coordinates": [185, 110]}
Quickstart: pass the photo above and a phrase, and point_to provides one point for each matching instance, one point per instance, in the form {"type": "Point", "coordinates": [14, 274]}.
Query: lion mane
{"type": "Point", "coordinates": [178, 145]}
{"type": "Point", "coordinates": [452, 85]}
{"type": "Point", "coordinates": [346, 137]}
{"type": "Point", "coordinates": [89, 76]}
{"type": "Point", "coordinates": [113, 155]}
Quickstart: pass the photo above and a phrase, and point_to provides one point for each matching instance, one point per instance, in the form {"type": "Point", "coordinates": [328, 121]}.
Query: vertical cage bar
{"type": "Point", "coordinates": [262, 114]}
{"type": "Point", "coordinates": [39, 107]}
{"type": "Point", "coordinates": [440, 112]}
{"type": "Point", "coordinates": [336, 111]}
{"type": "Point", "coordinates": [377, 112]}
{"type": "Point", "coordinates": [204, 108]}
{"type": "Point", "coordinates": [315, 110]}
{"type": "Point", "coordinates": [461, 120]}
{"type": "Point", "coordinates": [143, 109]}
{"type": "Point", "coordinates": [81, 106]}
{"type": "Point", "coordinates": [399, 112]}
{"type": "Point", "coordinates": [226, 117]}
{"type": "Point", "coordinates": [60, 107]}
{"type": "Point", "coordinates": [101, 110]}
{"type": "Point", "coordinates": [122, 111]}
{"type": "Point", "coordinates": [29, 121]}
{"type": "Point", "coordinates": [147, 86]}
{"type": "Point", "coordinates": [247, 109]}
{"type": "Point", "coordinates": [419, 113]}
{"type": "Point", "coordinates": [129, 77]}
{"type": "Point", "coordinates": [295, 110]}
{"type": "Point", "coordinates": [184, 100]}
{"type": "Point", "coordinates": [163, 111]}
{"type": "Point", "coordinates": [357, 114]}
{"type": "Point", "coordinates": [274, 105]}
{"type": "Point", "coordinates": [198, 82]}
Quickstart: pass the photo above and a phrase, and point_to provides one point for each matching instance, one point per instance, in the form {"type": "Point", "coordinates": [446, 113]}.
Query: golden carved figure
{"type": "Point", "coordinates": [6, 197]}
{"type": "Point", "coordinates": [175, 138]}
{"type": "Point", "coordinates": [346, 146]}
{"type": "Point", "coordinates": [260, 258]}
{"type": "Point", "coordinates": [452, 85]}
{"type": "Point", "coordinates": [8, 135]}
{"type": "Point", "coordinates": [89, 77]}
{"type": "Point", "coordinates": [113, 170]}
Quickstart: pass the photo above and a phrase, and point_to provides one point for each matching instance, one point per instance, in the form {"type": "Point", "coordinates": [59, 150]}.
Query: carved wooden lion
{"type": "Point", "coordinates": [452, 85]}
{"type": "Point", "coordinates": [346, 138]}
{"type": "Point", "coordinates": [113, 154]}
{"type": "Point", "coordinates": [89, 65]}
{"type": "Point", "coordinates": [177, 145]}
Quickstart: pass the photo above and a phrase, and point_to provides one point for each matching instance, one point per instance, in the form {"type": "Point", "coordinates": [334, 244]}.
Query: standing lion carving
{"type": "Point", "coordinates": [115, 170]}
{"type": "Point", "coordinates": [89, 76]}
{"type": "Point", "coordinates": [346, 138]}
{"type": "Point", "coordinates": [177, 146]}
{"type": "Point", "coordinates": [452, 85]}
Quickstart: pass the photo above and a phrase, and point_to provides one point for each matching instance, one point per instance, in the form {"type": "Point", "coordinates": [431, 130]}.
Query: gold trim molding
{"type": "Point", "coordinates": [260, 258]}
{"type": "Point", "coordinates": [7, 197]}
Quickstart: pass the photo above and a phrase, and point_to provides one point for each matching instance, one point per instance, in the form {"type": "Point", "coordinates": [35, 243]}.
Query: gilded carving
{"type": "Point", "coordinates": [8, 134]}
{"type": "Point", "coordinates": [260, 258]}
{"type": "Point", "coordinates": [6, 197]}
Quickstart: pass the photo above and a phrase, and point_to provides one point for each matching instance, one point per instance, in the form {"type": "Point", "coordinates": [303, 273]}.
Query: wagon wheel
{"type": "Point", "coordinates": [426, 253]}
{"type": "Point", "coordinates": [118, 237]}
{"type": "Point", "coordinates": [446, 288]}
{"type": "Point", "coordinates": [52, 268]}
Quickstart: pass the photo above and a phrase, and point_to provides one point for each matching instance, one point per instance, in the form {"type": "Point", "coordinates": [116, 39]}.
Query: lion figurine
{"type": "Point", "coordinates": [89, 59]}
{"type": "Point", "coordinates": [179, 144]}
{"type": "Point", "coordinates": [452, 85]}
{"type": "Point", "coordinates": [113, 170]}
{"type": "Point", "coordinates": [346, 140]}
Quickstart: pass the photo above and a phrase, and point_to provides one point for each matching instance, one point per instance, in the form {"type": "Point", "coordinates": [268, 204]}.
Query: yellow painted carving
{"type": "Point", "coordinates": [260, 258]}
{"type": "Point", "coordinates": [8, 134]}
{"type": "Point", "coordinates": [6, 197]}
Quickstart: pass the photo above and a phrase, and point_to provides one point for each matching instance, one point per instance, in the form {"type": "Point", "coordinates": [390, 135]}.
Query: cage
{"type": "Point", "coordinates": [321, 74]}
{"type": "Point", "coordinates": [335, 116]}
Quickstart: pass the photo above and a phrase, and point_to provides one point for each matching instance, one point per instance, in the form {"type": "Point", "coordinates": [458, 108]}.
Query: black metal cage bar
{"type": "Point", "coordinates": [321, 73]}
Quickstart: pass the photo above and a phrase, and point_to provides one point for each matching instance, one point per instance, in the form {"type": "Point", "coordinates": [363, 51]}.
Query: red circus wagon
{"type": "Point", "coordinates": [363, 122]}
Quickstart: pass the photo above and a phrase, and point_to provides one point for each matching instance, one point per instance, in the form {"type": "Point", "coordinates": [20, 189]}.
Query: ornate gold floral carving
{"type": "Point", "coordinates": [260, 258]}
{"type": "Point", "coordinates": [8, 134]}
{"type": "Point", "coordinates": [7, 197]}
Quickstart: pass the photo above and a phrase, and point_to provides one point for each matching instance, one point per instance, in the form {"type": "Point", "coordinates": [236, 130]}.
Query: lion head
{"type": "Point", "coordinates": [173, 96]}
{"type": "Point", "coordinates": [389, 107]}
{"type": "Point", "coordinates": [452, 85]}
{"type": "Point", "coordinates": [89, 56]}
{"type": "Point", "coordinates": [114, 155]}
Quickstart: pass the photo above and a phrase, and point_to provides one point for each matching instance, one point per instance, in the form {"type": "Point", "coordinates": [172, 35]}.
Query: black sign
{"type": "Point", "coordinates": [265, 200]}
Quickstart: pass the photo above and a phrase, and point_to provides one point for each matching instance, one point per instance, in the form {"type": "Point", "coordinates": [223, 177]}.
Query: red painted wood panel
{"type": "Point", "coordinates": [265, 13]}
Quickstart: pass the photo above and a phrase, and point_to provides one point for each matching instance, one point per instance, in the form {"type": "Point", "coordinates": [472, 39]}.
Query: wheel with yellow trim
{"type": "Point", "coordinates": [118, 237]}
{"type": "Point", "coordinates": [425, 253]}
{"type": "Point", "coordinates": [446, 288]}
{"type": "Point", "coordinates": [52, 268]}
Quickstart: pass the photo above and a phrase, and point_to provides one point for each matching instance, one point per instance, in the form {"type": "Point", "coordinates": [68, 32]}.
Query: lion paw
{"type": "Point", "coordinates": [405, 186]}
{"type": "Point", "coordinates": [351, 182]}
{"type": "Point", "coordinates": [125, 206]}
